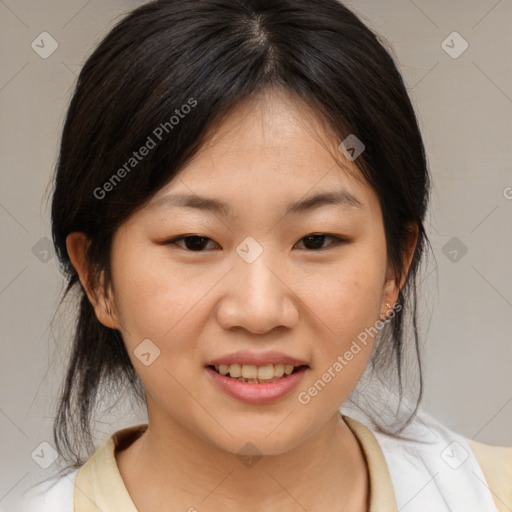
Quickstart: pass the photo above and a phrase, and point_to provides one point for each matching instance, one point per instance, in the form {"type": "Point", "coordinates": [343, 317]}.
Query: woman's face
{"type": "Point", "coordinates": [252, 289]}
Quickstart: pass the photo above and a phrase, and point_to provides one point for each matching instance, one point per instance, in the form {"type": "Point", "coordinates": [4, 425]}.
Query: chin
{"type": "Point", "coordinates": [249, 440]}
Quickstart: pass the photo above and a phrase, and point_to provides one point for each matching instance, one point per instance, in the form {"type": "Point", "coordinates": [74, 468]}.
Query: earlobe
{"type": "Point", "coordinates": [76, 244]}
{"type": "Point", "coordinates": [389, 298]}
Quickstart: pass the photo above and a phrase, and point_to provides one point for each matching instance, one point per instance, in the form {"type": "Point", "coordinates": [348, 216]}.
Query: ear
{"type": "Point", "coordinates": [392, 287]}
{"type": "Point", "coordinates": [77, 244]}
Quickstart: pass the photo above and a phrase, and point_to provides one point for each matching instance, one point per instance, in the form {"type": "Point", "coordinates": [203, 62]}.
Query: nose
{"type": "Point", "coordinates": [258, 297]}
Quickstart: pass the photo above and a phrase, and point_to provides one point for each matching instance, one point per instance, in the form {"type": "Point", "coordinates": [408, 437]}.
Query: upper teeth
{"type": "Point", "coordinates": [251, 371]}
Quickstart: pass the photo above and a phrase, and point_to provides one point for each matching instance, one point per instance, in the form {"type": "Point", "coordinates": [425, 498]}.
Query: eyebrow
{"type": "Point", "coordinates": [338, 197]}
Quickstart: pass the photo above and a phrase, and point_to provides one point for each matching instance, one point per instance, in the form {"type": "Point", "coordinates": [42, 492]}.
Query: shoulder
{"type": "Point", "coordinates": [496, 464]}
{"type": "Point", "coordinates": [54, 494]}
{"type": "Point", "coordinates": [430, 463]}
{"type": "Point", "coordinates": [493, 456]}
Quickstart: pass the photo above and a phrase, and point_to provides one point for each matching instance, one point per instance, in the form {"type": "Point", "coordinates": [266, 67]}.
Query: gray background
{"type": "Point", "coordinates": [464, 106]}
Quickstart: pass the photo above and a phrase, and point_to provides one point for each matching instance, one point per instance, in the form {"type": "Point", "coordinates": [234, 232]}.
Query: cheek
{"type": "Point", "coordinates": [348, 297]}
{"type": "Point", "coordinates": [145, 307]}
{"type": "Point", "coordinates": [346, 310]}
{"type": "Point", "coordinates": [155, 302]}
{"type": "Point", "coordinates": [158, 301]}
{"type": "Point", "coordinates": [346, 303]}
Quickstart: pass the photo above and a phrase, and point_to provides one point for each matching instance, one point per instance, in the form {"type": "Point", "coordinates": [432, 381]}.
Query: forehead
{"type": "Point", "coordinates": [274, 125]}
{"type": "Point", "coordinates": [273, 149]}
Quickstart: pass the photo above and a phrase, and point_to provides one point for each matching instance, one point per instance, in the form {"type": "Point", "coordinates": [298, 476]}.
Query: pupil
{"type": "Point", "coordinates": [317, 238]}
{"type": "Point", "coordinates": [195, 242]}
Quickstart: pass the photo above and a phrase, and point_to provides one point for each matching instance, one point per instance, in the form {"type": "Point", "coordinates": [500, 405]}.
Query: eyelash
{"type": "Point", "coordinates": [337, 241]}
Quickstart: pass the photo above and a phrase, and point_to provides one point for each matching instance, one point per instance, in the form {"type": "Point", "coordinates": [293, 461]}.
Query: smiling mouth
{"type": "Point", "coordinates": [257, 374]}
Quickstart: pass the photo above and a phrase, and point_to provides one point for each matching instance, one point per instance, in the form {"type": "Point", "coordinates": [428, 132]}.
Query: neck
{"type": "Point", "coordinates": [178, 467]}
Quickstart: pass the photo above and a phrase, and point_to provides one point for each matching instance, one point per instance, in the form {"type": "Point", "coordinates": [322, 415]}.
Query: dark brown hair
{"type": "Point", "coordinates": [171, 53]}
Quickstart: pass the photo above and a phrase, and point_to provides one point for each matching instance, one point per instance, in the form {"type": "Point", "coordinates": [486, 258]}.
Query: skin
{"type": "Point", "coordinates": [294, 298]}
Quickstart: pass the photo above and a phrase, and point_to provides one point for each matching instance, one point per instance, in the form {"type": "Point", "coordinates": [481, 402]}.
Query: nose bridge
{"type": "Point", "coordinates": [257, 298]}
{"type": "Point", "coordinates": [257, 283]}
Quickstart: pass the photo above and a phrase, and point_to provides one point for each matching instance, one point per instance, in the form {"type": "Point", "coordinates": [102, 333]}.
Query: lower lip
{"type": "Point", "coordinates": [254, 393]}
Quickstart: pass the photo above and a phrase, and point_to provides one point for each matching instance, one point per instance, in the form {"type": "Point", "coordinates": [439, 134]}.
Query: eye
{"type": "Point", "coordinates": [198, 243]}
{"type": "Point", "coordinates": [194, 243]}
{"type": "Point", "coordinates": [315, 241]}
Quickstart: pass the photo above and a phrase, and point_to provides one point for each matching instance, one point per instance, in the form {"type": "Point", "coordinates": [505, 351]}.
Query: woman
{"type": "Point", "coordinates": [239, 204]}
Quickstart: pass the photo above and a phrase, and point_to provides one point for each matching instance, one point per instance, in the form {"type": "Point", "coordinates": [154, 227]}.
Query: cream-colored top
{"type": "Point", "coordinates": [99, 485]}
{"type": "Point", "coordinates": [496, 463]}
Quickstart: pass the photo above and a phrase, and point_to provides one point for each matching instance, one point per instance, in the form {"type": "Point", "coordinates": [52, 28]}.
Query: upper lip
{"type": "Point", "coordinates": [256, 358]}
